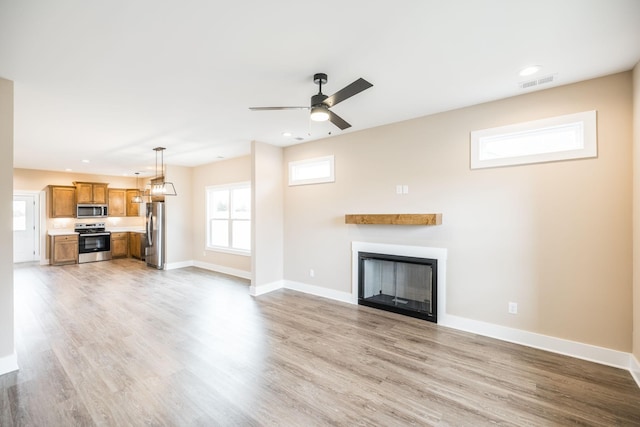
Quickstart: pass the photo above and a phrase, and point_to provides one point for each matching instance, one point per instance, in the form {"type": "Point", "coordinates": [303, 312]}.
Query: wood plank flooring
{"type": "Point", "coordinates": [119, 344]}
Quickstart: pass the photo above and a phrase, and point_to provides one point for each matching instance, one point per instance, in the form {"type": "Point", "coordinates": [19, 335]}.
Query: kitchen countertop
{"type": "Point", "coordinates": [61, 232]}
{"type": "Point", "coordinates": [68, 231]}
{"type": "Point", "coordinates": [134, 229]}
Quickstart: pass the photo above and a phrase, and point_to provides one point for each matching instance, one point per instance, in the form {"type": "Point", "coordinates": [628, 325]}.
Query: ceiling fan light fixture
{"type": "Point", "coordinates": [319, 114]}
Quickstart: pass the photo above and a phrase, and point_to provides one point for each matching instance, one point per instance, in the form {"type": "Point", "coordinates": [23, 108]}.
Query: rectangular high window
{"type": "Point", "coordinates": [572, 136]}
{"type": "Point", "coordinates": [312, 171]}
{"type": "Point", "coordinates": [229, 218]}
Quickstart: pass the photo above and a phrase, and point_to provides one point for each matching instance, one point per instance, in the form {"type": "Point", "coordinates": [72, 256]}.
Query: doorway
{"type": "Point", "coordinates": [26, 227]}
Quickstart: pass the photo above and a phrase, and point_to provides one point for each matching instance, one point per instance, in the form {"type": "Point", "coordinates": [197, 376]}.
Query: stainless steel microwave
{"type": "Point", "coordinates": [92, 211]}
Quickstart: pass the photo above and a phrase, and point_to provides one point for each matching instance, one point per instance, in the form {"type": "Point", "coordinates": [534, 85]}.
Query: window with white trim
{"type": "Point", "coordinates": [312, 171]}
{"type": "Point", "coordinates": [229, 218]}
{"type": "Point", "coordinates": [572, 136]}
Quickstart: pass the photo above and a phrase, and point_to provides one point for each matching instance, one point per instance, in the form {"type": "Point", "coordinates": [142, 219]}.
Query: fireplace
{"type": "Point", "coordinates": [402, 284]}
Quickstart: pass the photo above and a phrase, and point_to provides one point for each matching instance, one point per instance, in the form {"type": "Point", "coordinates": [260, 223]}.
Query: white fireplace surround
{"type": "Point", "coordinates": [438, 254]}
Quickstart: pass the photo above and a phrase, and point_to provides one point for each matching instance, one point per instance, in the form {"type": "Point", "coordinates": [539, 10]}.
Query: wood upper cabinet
{"type": "Point", "coordinates": [120, 203]}
{"type": "Point", "coordinates": [91, 192]}
{"type": "Point", "coordinates": [133, 209]}
{"type": "Point", "coordinates": [119, 244]}
{"type": "Point", "coordinates": [117, 202]}
{"type": "Point", "coordinates": [62, 201]}
{"type": "Point", "coordinates": [64, 249]}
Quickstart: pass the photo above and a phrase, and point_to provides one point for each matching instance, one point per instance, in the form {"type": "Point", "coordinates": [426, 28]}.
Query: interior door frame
{"type": "Point", "coordinates": [37, 220]}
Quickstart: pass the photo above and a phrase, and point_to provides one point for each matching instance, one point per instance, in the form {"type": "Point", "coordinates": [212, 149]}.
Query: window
{"type": "Point", "coordinates": [19, 215]}
{"type": "Point", "coordinates": [312, 171]}
{"type": "Point", "coordinates": [229, 218]}
{"type": "Point", "coordinates": [558, 138]}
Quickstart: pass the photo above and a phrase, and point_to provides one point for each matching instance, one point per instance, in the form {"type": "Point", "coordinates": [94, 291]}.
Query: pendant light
{"type": "Point", "coordinates": [158, 186]}
{"type": "Point", "coordinates": [138, 197]}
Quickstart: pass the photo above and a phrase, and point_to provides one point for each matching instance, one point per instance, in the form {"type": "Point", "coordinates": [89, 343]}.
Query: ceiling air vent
{"type": "Point", "coordinates": [536, 82]}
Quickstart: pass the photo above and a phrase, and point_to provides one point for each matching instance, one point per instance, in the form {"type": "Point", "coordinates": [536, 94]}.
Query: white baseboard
{"type": "Point", "coordinates": [634, 368]}
{"type": "Point", "coordinates": [222, 269]}
{"type": "Point", "coordinates": [592, 353]}
{"type": "Point", "coordinates": [8, 364]}
{"type": "Point", "coordinates": [304, 288]}
{"type": "Point", "coordinates": [176, 265]}
{"type": "Point", "coordinates": [266, 288]}
{"type": "Point", "coordinates": [321, 292]}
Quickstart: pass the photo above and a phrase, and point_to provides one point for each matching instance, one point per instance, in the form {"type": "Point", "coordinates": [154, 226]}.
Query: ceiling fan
{"type": "Point", "coordinates": [320, 103]}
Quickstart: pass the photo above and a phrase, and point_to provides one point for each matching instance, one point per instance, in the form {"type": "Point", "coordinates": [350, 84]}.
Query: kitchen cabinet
{"type": "Point", "coordinates": [117, 202]}
{"type": "Point", "coordinates": [120, 245]}
{"type": "Point", "coordinates": [62, 201]}
{"type": "Point", "coordinates": [91, 192]}
{"type": "Point", "coordinates": [120, 203]}
{"type": "Point", "coordinates": [135, 245]}
{"type": "Point", "coordinates": [64, 249]}
{"type": "Point", "coordinates": [133, 209]}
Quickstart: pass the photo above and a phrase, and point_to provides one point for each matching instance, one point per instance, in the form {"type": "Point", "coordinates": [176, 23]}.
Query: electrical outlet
{"type": "Point", "coordinates": [513, 308]}
{"type": "Point", "coordinates": [312, 273]}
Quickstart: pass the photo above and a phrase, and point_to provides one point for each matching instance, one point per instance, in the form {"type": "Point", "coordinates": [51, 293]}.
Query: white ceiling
{"type": "Point", "coordinates": [108, 81]}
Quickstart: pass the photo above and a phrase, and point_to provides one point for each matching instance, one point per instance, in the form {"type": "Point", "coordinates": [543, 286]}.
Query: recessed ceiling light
{"type": "Point", "coordinates": [86, 161]}
{"type": "Point", "coordinates": [530, 70]}
{"type": "Point", "coordinates": [286, 134]}
{"type": "Point", "coordinates": [68, 170]}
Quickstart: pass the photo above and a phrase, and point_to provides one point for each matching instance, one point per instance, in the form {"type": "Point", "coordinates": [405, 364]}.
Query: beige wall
{"type": "Point", "coordinates": [6, 221]}
{"type": "Point", "coordinates": [554, 237]}
{"type": "Point", "coordinates": [636, 212]}
{"type": "Point", "coordinates": [36, 180]}
{"type": "Point", "coordinates": [267, 214]}
{"type": "Point", "coordinates": [178, 211]}
{"type": "Point", "coordinates": [217, 173]}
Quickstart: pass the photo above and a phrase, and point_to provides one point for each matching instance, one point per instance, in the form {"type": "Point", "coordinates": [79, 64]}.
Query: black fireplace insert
{"type": "Point", "coordinates": [404, 285]}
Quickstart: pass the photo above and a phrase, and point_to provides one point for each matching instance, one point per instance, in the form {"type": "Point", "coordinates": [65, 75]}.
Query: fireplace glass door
{"type": "Point", "coordinates": [403, 285]}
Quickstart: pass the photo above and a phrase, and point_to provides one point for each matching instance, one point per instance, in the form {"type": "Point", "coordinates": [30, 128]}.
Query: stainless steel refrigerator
{"type": "Point", "coordinates": [155, 252]}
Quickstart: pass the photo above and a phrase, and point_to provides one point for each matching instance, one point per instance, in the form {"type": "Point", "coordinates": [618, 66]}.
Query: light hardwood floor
{"type": "Point", "coordinates": [119, 344]}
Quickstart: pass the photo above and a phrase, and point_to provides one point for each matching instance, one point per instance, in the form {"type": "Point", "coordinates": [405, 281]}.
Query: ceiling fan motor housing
{"type": "Point", "coordinates": [318, 100]}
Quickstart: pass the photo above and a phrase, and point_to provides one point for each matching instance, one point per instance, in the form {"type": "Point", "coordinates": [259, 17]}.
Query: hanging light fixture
{"type": "Point", "coordinates": [138, 197]}
{"type": "Point", "coordinates": [158, 186]}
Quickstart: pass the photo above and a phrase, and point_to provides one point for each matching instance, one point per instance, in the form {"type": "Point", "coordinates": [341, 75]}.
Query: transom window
{"type": "Point", "coordinates": [572, 136]}
{"type": "Point", "coordinates": [312, 171]}
{"type": "Point", "coordinates": [229, 218]}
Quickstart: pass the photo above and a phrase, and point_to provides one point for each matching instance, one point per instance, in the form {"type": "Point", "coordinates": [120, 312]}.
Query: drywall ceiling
{"type": "Point", "coordinates": [107, 81]}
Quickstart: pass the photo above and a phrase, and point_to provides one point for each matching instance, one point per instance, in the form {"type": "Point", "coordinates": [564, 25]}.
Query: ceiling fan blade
{"type": "Point", "coordinates": [277, 108]}
{"type": "Point", "coordinates": [338, 121]}
{"type": "Point", "coordinates": [347, 92]}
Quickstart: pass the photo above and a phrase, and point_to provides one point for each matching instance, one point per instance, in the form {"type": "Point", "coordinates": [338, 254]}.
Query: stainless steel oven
{"type": "Point", "coordinates": [94, 242]}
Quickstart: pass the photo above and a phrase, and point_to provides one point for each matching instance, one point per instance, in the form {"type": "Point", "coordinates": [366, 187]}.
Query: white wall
{"type": "Point", "coordinates": [178, 211]}
{"type": "Point", "coordinates": [8, 360]}
{"type": "Point", "coordinates": [267, 215]}
{"type": "Point", "coordinates": [636, 217]}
